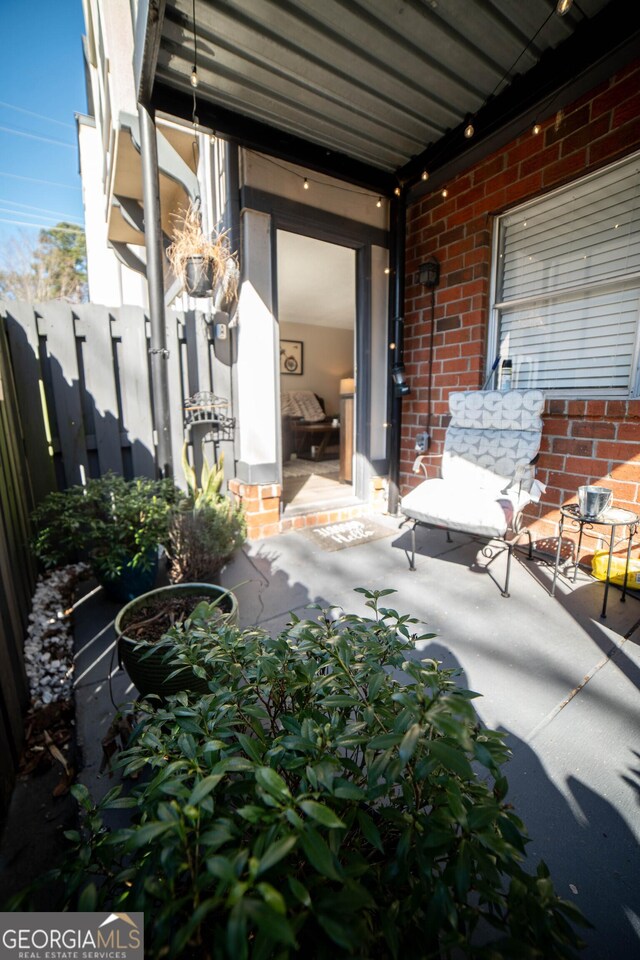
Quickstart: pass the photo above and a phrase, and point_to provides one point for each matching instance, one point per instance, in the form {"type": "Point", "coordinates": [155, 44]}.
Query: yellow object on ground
{"type": "Point", "coordinates": [599, 569]}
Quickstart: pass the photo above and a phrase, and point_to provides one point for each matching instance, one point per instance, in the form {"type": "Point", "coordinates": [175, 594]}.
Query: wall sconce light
{"type": "Point", "coordinates": [400, 386]}
{"type": "Point", "coordinates": [429, 273]}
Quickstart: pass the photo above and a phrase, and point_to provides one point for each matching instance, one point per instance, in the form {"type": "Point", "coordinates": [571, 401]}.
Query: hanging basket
{"type": "Point", "coordinates": [198, 276]}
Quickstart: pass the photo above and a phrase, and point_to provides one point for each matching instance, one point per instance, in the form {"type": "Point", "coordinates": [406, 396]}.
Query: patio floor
{"type": "Point", "coordinates": [563, 683]}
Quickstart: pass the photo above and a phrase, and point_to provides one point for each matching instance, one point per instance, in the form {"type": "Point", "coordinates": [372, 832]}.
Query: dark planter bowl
{"type": "Point", "coordinates": [132, 582]}
{"type": "Point", "coordinates": [198, 277]}
{"type": "Point", "coordinates": [150, 674]}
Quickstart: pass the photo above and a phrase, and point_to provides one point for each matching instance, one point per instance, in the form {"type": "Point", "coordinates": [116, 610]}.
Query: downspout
{"type": "Point", "coordinates": [155, 281]}
{"type": "Point", "coordinates": [398, 386]}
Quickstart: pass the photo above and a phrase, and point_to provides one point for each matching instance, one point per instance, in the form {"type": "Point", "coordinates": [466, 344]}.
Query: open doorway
{"type": "Point", "coordinates": [316, 284]}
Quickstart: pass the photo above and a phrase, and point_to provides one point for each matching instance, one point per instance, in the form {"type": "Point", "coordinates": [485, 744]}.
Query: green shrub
{"type": "Point", "coordinates": [112, 520]}
{"type": "Point", "coordinates": [330, 797]}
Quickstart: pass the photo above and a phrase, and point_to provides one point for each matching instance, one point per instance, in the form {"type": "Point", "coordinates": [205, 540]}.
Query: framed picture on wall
{"type": "Point", "coordinates": [291, 357]}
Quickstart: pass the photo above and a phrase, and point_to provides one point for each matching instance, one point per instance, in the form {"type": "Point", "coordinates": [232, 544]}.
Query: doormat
{"type": "Point", "coordinates": [348, 533]}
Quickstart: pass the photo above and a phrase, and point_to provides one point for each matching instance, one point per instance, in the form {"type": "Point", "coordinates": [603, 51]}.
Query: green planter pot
{"type": "Point", "coordinates": [150, 674]}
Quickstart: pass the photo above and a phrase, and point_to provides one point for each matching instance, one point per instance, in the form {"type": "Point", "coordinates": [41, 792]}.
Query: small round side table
{"type": "Point", "coordinates": [613, 517]}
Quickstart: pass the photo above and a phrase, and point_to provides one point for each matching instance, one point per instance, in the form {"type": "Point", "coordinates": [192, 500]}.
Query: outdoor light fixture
{"type": "Point", "coordinates": [469, 131]}
{"type": "Point", "coordinates": [536, 129]}
{"type": "Point", "coordinates": [429, 273]}
{"type": "Point", "coordinates": [305, 185]}
{"type": "Point", "coordinates": [400, 386]}
{"type": "Point", "coordinates": [425, 175]}
{"type": "Point", "coordinates": [563, 6]}
{"type": "Point", "coordinates": [445, 193]}
{"type": "Point", "coordinates": [397, 191]}
{"type": "Point", "coordinates": [379, 202]}
{"type": "Point", "coordinates": [194, 77]}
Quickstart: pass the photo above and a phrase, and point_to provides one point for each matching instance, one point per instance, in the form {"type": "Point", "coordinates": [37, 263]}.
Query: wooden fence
{"type": "Point", "coordinates": [75, 402]}
{"type": "Point", "coordinates": [17, 574]}
{"type": "Point", "coordinates": [84, 383]}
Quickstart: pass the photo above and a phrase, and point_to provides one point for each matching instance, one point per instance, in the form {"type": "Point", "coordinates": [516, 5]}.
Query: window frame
{"type": "Point", "coordinates": [496, 307]}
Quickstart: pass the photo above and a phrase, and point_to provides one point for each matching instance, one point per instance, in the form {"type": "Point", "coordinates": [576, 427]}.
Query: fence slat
{"type": "Point", "coordinates": [94, 327]}
{"type": "Point", "coordinates": [22, 333]}
{"type": "Point", "coordinates": [56, 324]}
{"type": "Point", "coordinates": [129, 328]}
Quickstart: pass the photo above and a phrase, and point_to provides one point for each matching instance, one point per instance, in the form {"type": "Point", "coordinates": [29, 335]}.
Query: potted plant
{"type": "Point", "coordinates": [204, 263]}
{"type": "Point", "coordinates": [330, 796]}
{"type": "Point", "coordinates": [146, 630]}
{"type": "Point", "coordinates": [117, 524]}
{"type": "Point", "coordinates": [206, 527]}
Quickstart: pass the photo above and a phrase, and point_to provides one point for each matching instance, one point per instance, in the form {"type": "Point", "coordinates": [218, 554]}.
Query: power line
{"type": "Point", "coordinates": [49, 183]}
{"type": "Point", "coordinates": [29, 206]}
{"type": "Point", "coordinates": [42, 226]}
{"type": "Point", "coordinates": [40, 116]}
{"type": "Point", "coordinates": [36, 136]}
{"type": "Point", "coordinates": [32, 216]}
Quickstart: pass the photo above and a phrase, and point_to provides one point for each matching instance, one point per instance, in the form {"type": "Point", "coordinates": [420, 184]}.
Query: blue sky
{"type": "Point", "coordinates": [41, 88]}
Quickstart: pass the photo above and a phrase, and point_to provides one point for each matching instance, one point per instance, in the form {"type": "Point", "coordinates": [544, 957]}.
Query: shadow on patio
{"type": "Point", "coordinates": [559, 681]}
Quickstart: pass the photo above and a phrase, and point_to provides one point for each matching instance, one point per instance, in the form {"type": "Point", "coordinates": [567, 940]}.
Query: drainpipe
{"type": "Point", "coordinates": [155, 282]}
{"type": "Point", "coordinates": [399, 386]}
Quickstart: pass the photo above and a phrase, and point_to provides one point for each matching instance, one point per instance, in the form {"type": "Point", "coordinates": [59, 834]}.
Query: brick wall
{"type": "Point", "coordinates": [584, 441]}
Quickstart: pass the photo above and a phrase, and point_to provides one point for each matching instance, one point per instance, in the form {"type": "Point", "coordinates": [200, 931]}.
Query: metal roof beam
{"type": "Point", "coordinates": [260, 136]}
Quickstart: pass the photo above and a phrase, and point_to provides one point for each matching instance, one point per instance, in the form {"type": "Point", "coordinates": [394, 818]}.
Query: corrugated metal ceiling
{"type": "Point", "coordinates": [374, 80]}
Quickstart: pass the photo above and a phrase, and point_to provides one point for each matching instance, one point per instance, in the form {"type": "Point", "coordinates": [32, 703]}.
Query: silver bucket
{"type": "Point", "coordinates": [593, 501]}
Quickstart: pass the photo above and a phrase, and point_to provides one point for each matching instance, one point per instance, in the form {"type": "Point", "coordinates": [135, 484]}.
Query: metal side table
{"type": "Point", "coordinates": [613, 518]}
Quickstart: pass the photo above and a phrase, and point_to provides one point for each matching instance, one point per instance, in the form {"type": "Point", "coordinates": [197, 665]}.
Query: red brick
{"type": "Point", "coordinates": [614, 450]}
{"type": "Point", "coordinates": [600, 430]}
{"type": "Point", "coordinates": [629, 431]}
{"type": "Point", "coordinates": [565, 169]}
{"type": "Point", "coordinates": [627, 471]}
{"type": "Point", "coordinates": [571, 121]}
{"type": "Point", "coordinates": [618, 90]}
{"type": "Point", "coordinates": [586, 136]}
{"type": "Point", "coordinates": [616, 409]}
{"type": "Point", "coordinates": [617, 143]}
{"type": "Point", "coordinates": [540, 159]}
{"type": "Point", "coordinates": [575, 448]}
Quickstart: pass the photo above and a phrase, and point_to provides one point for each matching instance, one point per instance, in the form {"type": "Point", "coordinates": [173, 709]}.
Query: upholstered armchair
{"type": "Point", "coordinates": [487, 473]}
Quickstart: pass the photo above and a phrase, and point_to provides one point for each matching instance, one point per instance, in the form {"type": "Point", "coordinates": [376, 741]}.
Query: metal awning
{"type": "Point", "coordinates": [375, 91]}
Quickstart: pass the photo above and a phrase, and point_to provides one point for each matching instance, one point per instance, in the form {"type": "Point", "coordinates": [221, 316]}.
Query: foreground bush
{"type": "Point", "coordinates": [329, 798]}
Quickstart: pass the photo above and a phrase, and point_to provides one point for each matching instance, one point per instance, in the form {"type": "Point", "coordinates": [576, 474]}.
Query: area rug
{"type": "Point", "coordinates": [306, 468]}
{"type": "Point", "coordinates": [348, 533]}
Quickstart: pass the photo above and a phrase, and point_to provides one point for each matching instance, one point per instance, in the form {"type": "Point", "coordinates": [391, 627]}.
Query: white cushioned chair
{"type": "Point", "coordinates": [487, 470]}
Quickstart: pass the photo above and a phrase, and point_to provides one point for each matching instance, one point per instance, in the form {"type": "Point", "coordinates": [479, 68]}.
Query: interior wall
{"type": "Point", "coordinates": [327, 358]}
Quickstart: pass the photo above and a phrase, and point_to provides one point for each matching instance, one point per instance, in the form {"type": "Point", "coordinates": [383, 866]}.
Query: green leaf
{"type": "Point", "coordinates": [300, 893]}
{"type": "Point", "coordinates": [88, 899]}
{"type": "Point", "coordinates": [451, 758]}
{"type": "Point", "coordinates": [320, 813]}
{"type": "Point", "coordinates": [204, 788]}
{"type": "Point", "coordinates": [272, 782]}
{"type": "Point", "coordinates": [318, 853]}
{"type": "Point", "coordinates": [410, 742]}
{"type": "Point", "coordinates": [370, 830]}
{"type": "Point", "coordinates": [384, 741]}
{"type": "Point", "coordinates": [275, 853]}
{"type": "Point", "coordinates": [147, 833]}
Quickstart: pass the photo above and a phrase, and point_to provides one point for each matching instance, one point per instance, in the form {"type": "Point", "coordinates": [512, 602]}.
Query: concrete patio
{"type": "Point", "coordinates": [560, 681]}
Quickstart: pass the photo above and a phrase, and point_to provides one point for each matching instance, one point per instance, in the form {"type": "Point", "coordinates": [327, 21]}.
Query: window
{"type": "Point", "coordinates": [566, 288]}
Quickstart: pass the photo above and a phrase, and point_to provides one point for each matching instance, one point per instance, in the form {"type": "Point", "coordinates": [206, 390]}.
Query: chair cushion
{"type": "Point", "coordinates": [475, 510]}
{"type": "Point", "coordinates": [511, 410]}
{"type": "Point", "coordinates": [489, 458]}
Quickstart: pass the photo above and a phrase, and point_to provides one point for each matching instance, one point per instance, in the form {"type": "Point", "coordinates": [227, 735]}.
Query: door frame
{"type": "Point", "coordinates": [294, 217]}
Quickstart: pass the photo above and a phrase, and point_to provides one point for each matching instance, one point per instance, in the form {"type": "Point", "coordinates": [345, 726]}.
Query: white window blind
{"type": "Point", "coordinates": [567, 286]}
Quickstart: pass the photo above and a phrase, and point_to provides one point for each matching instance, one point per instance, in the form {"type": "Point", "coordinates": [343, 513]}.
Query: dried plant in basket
{"type": "Point", "coordinates": [190, 243]}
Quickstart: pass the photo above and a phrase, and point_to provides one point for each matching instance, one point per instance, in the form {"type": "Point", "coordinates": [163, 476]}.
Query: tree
{"type": "Point", "coordinates": [54, 269]}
